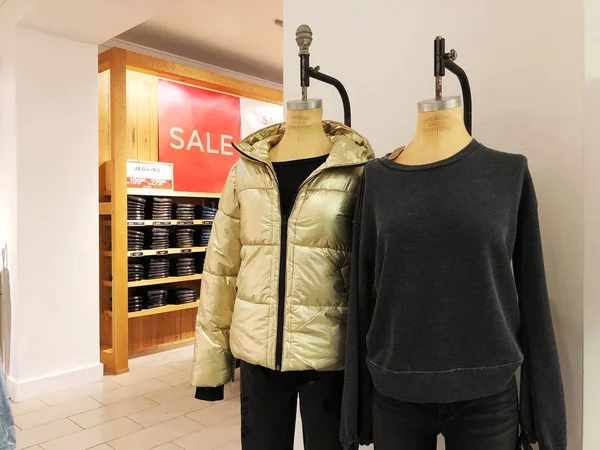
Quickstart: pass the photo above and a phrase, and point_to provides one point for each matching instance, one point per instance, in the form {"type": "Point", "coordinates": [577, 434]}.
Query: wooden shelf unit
{"type": "Point", "coordinates": [128, 130]}
{"type": "Point", "coordinates": [163, 223]}
{"type": "Point", "coordinates": [165, 252]}
{"type": "Point", "coordinates": [167, 280]}
{"type": "Point", "coordinates": [159, 310]}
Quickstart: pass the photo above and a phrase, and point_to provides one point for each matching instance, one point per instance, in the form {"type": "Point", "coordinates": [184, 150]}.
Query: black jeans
{"type": "Point", "coordinates": [269, 401]}
{"type": "Point", "coordinates": [489, 423]}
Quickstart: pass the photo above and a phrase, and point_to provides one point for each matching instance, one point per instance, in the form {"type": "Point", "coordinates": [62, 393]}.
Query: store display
{"type": "Point", "coordinates": [160, 238]}
{"type": "Point", "coordinates": [186, 266]}
{"type": "Point", "coordinates": [206, 212]}
{"type": "Point", "coordinates": [327, 198]}
{"type": "Point", "coordinates": [150, 203]}
{"type": "Point", "coordinates": [135, 240]}
{"type": "Point", "coordinates": [136, 207]}
{"type": "Point", "coordinates": [185, 212]}
{"type": "Point", "coordinates": [135, 303]}
{"type": "Point", "coordinates": [158, 268]}
{"type": "Point", "coordinates": [183, 296]}
{"type": "Point", "coordinates": [204, 236]}
{"type": "Point", "coordinates": [464, 219]}
{"type": "Point", "coordinates": [135, 272]}
{"type": "Point", "coordinates": [156, 298]}
{"type": "Point", "coordinates": [162, 208]}
{"type": "Point", "coordinates": [185, 237]}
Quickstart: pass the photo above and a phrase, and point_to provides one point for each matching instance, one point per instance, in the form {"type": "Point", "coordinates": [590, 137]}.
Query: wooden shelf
{"type": "Point", "coordinates": [128, 93]}
{"type": "Point", "coordinates": [163, 223]}
{"type": "Point", "coordinates": [104, 208]}
{"type": "Point", "coordinates": [160, 347]}
{"type": "Point", "coordinates": [164, 252]}
{"type": "Point", "coordinates": [160, 310]}
{"type": "Point", "coordinates": [168, 280]}
{"type": "Point", "coordinates": [166, 193]}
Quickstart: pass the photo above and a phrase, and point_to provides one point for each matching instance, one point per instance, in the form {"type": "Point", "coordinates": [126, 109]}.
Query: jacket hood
{"type": "Point", "coordinates": [349, 147]}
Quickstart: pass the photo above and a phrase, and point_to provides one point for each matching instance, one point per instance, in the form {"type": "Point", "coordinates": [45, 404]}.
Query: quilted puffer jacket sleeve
{"type": "Point", "coordinates": [213, 362]}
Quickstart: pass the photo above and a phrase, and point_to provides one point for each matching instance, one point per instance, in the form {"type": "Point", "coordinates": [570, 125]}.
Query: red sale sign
{"type": "Point", "coordinates": [196, 129]}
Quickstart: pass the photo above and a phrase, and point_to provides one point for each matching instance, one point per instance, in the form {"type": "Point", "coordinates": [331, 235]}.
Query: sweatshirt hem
{"type": "Point", "coordinates": [448, 386]}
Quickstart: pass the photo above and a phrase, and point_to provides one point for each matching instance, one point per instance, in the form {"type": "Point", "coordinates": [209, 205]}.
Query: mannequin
{"type": "Point", "coordinates": [304, 136]}
{"type": "Point", "coordinates": [441, 133]}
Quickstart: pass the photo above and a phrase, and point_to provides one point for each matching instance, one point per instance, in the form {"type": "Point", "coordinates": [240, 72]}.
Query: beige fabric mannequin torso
{"type": "Point", "coordinates": [440, 135]}
{"type": "Point", "coordinates": [304, 137]}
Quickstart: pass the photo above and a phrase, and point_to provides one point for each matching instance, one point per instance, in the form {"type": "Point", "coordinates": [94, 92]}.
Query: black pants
{"type": "Point", "coordinates": [269, 401]}
{"type": "Point", "coordinates": [489, 423]}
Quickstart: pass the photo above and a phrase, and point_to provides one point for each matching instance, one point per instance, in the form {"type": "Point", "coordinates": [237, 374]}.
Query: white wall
{"type": "Point", "coordinates": [8, 191]}
{"type": "Point", "coordinates": [525, 63]}
{"type": "Point", "coordinates": [55, 326]}
{"type": "Point", "coordinates": [591, 430]}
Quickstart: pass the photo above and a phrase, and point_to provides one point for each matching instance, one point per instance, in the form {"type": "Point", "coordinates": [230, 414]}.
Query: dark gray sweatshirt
{"type": "Point", "coordinates": [448, 293]}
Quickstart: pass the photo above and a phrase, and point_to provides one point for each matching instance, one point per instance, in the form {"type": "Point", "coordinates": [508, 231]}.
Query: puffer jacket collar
{"type": "Point", "coordinates": [349, 147]}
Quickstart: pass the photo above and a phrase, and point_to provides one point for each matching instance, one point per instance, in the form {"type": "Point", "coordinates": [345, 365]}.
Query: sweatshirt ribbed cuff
{"type": "Point", "coordinates": [210, 394]}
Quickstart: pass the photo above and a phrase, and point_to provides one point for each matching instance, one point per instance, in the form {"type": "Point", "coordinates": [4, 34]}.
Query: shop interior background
{"type": "Point", "coordinates": [535, 74]}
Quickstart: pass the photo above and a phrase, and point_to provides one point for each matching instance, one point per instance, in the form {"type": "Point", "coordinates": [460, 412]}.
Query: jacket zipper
{"type": "Point", "coordinates": [283, 272]}
{"type": "Point", "coordinates": [282, 282]}
{"type": "Point", "coordinates": [283, 252]}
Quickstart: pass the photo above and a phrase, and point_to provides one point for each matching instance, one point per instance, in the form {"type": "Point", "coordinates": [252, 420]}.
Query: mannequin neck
{"type": "Point", "coordinates": [304, 137]}
{"type": "Point", "coordinates": [440, 135]}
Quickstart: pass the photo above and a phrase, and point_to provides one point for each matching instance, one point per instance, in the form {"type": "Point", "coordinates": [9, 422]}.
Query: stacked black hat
{"type": "Point", "coordinates": [135, 272]}
{"type": "Point", "coordinates": [162, 208]}
{"type": "Point", "coordinates": [158, 268]}
{"type": "Point", "coordinates": [186, 266]}
{"type": "Point", "coordinates": [204, 236]}
{"type": "Point", "coordinates": [185, 237]}
{"type": "Point", "coordinates": [206, 212]}
{"type": "Point", "coordinates": [135, 240]}
{"type": "Point", "coordinates": [183, 296]}
{"type": "Point", "coordinates": [160, 238]}
{"type": "Point", "coordinates": [186, 212]}
{"type": "Point", "coordinates": [156, 298]}
{"type": "Point", "coordinates": [136, 303]}
{"type": "Point", "coordinates": [136, 208]}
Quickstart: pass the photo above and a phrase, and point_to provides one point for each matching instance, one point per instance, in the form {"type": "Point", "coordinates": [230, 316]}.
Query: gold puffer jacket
{"type": "Point", "coordinates": [238, 313]}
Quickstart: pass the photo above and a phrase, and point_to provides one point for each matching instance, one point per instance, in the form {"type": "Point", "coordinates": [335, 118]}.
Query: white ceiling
{"type": "Point", "coordinates": [238, 35]}
{"type": "Point", "coordinates": [92, 21]}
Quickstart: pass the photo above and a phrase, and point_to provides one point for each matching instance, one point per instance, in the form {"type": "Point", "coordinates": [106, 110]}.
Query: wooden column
{"type": "Point", "coordinates": [118, 143]}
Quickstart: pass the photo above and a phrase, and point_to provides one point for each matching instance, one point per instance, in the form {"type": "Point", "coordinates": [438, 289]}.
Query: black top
{"type": "Point", "coordinates": [448, 293]}
{"type": "Point", "coordinates": [290, 175]}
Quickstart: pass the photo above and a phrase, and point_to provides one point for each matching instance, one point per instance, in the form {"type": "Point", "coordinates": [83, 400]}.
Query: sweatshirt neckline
{"type": "Point", "coordinates": [472, 146]}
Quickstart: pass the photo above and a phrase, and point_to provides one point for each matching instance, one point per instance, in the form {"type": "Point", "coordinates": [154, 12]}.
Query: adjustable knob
{"type": "Point", "coordinates": [304, 39]}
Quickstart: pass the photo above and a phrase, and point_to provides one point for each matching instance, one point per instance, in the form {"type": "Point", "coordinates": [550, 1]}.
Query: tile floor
{"type": "Point", "coordinates": [151, 407]}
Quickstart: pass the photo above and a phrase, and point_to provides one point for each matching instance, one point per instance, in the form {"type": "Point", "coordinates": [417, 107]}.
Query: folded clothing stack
{"type": "Point", "coordinates": [183, 296]}
{"type": "Point", "coordinates": [185, 212]}
{"type": "Point", "coordinates": [135, 240]}
{"type": "Point", "coordinates": [204, 236]}
{"type": "Point", "coordinates": [136, 208]}
{"type": "Point", "coordinates": [186, 266]}
{"type": "Point", "coordinates": [185, 237]}
{"type": "Point", "coordinates": [206, 212]}
{"type": "Point", "coordinates": [156, 298]}
{"type": "Point", "coordinates": [158, 268]}
{"type": "Point", "coordinates": [136, 303]}
{"type": "Point", "coordinates": [162, 208]}
{"type": "Point", "coordinates": [160, 238]}
{"type": "Point", "coordinates": [135, 272]}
